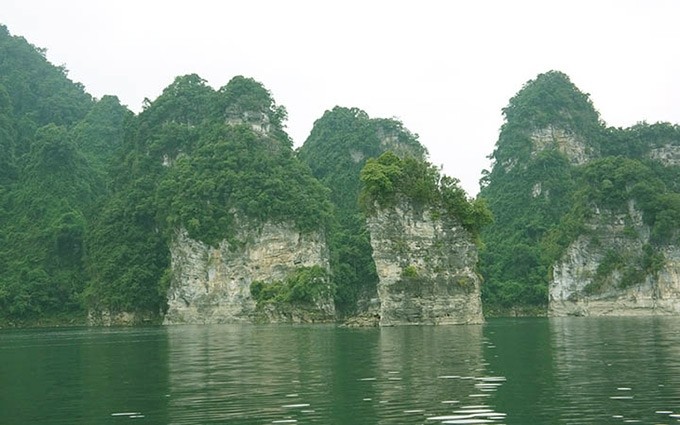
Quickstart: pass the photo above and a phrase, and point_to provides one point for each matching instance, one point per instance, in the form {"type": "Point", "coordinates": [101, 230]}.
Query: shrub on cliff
{"type": "Point", "coordinates": [388, 178]}
{"type": "Point", "coordinates": [305, 285]}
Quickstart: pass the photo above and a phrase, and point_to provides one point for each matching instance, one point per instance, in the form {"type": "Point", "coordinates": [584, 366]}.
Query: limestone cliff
{"type": "Point", "coordinates": [668, 155]}
{"type": "Point", "coordinates": [611, 269]}
{"type": "Point", "coordinates": [426, 266]}
{"type": "Point", "coordinates": [562, 139]}
{"type": "Point", "coordinates": [213, 284]}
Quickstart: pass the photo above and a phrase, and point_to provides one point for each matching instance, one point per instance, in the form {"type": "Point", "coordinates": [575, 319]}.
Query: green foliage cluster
{"type": "Point", "coordinates": [631, 269]}
{"type": "Point", "coordinates": [336, 150]}
{"type": "Point", "coordinates": [305, 285]}
{"type": "Point", "coordinates": [246, 96]}
{"type": "Point", "coordinates": [188, 165]}
{"type": "Point", "coordinates": [612, 182]}
{"type": "Point", "coordinates": [550, 99]}
{"type": "Point", "coordinates": [128, 256]}
{"type": "Point", "coordinates": [541, 201]}
{"type": "Point", "coordinates": [340, 143]}
{"type": "Point", "coordinates": [638, 140]}
{"type": "Point", "coordinates": [388, 178]}
{"type": "Point", "coordinates": [91, 195]}
{"type": "Point", "coordinates": [409, 271]}
{"type": "Point", "coordinates": [99, 135]}
{"type": "Point", "coordinates": [41, 93]}
{"type": "Point", "coordinates": [49, 184]}
{"type": "Point", "coordinates": [233, 169]}
{"type": "Point", "coordinates": [48, 209]}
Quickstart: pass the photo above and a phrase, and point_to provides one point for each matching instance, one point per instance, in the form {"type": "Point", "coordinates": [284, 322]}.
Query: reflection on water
{"type": "Point", "coordinates": [248, 374]}
{"type": "Point", "coordinates": [509, 371]}
{"type": "Point", "coordinates": [436, 374]}
{"type": "Point", "coordinates": [587, 370]}
{"type": "Point", "coordinates": [520, 350]}
{"type": "Point", "coordinates": [618, 370]}
{"type": "Point", "coordinates": [274, 374]}
{"type": "Point", "coordinates": [87, 376]}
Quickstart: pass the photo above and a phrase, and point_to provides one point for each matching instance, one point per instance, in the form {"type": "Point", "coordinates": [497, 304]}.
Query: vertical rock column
{"type": "Point", "coordinates": [427, 268]}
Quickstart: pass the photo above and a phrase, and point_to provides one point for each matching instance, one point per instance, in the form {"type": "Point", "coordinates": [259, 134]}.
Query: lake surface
{"type": "Point", "coordinates": [508, 371]}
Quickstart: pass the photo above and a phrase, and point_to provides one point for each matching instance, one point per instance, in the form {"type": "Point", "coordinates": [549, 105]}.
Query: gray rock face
{"type": "Point", "coordinates": [553, 137]}
{"type": "Point", "coordinates": [570, 144]}
{"type": "Point", "coordinates": [212, 285]}
{"type": "Point", "coordinates": [258, 121]}
{"type": "Point", "coordinates": [583, 286]}
{"type": "Point", "coordinates": [668, 155]}
{"type": "Point", "coordinates": [427, 268]}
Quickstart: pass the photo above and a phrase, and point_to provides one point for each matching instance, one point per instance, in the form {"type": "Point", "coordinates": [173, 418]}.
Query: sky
{"type": "Point", "coordinates": [444, 68]}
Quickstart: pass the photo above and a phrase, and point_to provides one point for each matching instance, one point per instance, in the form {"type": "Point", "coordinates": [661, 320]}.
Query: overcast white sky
{"type": "Point", "coordinates": [445, 68]}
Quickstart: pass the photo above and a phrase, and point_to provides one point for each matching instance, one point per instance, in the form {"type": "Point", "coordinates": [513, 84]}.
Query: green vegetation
{"type": "Point", "coordinates": [388, 178]}
{"type": "Point", "coordinates": [409, 271]}
{"type": "Point", "coordinates": [305, 285]}
{"type": "Point", "coordinates": [40, 93]}
{"type": "Point", "coordinates": [336, 150]}
{"type": "Point", "coordinates": [233, 169]}
{"type": "Point", "coordinates": [91, 195]}
{"type": "Point", "coordinates": [194, 160]}
{"type": "Point", "coordinates": [542, 198]}
{"type": "Point", "coordinates": [47, 187]}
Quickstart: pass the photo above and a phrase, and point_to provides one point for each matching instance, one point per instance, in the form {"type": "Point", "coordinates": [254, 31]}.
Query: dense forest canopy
{"type": "Point", "coordinates": [91, 194]}
{"type": "Point", "coordinates": [47, 185]}
{"type": "Point", "coordinates": [41, 93]}
{"type": "Point", "coordinates": [542, 196]}
{"type": "Point", "coordinates": [204, 161]}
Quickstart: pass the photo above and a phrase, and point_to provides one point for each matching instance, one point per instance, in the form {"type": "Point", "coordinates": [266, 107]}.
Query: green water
{"type": "Point", "coordinates": [528, 371]}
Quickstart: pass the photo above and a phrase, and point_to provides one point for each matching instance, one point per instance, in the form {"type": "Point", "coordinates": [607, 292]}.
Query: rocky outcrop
{"type": "Point", "coordinates": [258, 121]}
{"type": "Point", "coordinates": [567, 142]}
{"type": "Point", "coordinates": [427, 268]}
{"type": "Point", "coordinates": [609, 270]}
{"type": "Point", "coordinates": [212, 284]}
{"type": "Point", "coordinates": [668, 155]}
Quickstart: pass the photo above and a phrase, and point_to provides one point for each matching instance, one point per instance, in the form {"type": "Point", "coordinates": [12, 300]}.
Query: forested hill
{"type": "Point", "coordinates": [49, 186]}
{"type": "Point", "coordinates": [90, 194]}
{"type": "Point", "coordinates": [337, 149]}
{"type": "Point", "coordinates": [195, 159]}
{"type": "Point", "coordinates": [556, 164]}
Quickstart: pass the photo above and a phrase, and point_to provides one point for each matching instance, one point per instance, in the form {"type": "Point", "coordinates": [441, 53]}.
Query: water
{"type": "Point", "coordinates": [508, 371]}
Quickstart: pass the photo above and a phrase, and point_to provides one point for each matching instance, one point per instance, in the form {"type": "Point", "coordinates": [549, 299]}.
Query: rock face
{"type": "Point", "coordinates": [426, 266]}
{"type": "Point", "coordinates": [258, 121]}
{"type": "Point", "coordinates": [566, 141]}
{"type": "Point", "coordinates": [603, 272]}
{"type": "Point", "coordinates": [668, 155]}
{"type": "Point", "coordinates": [212, 285]}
